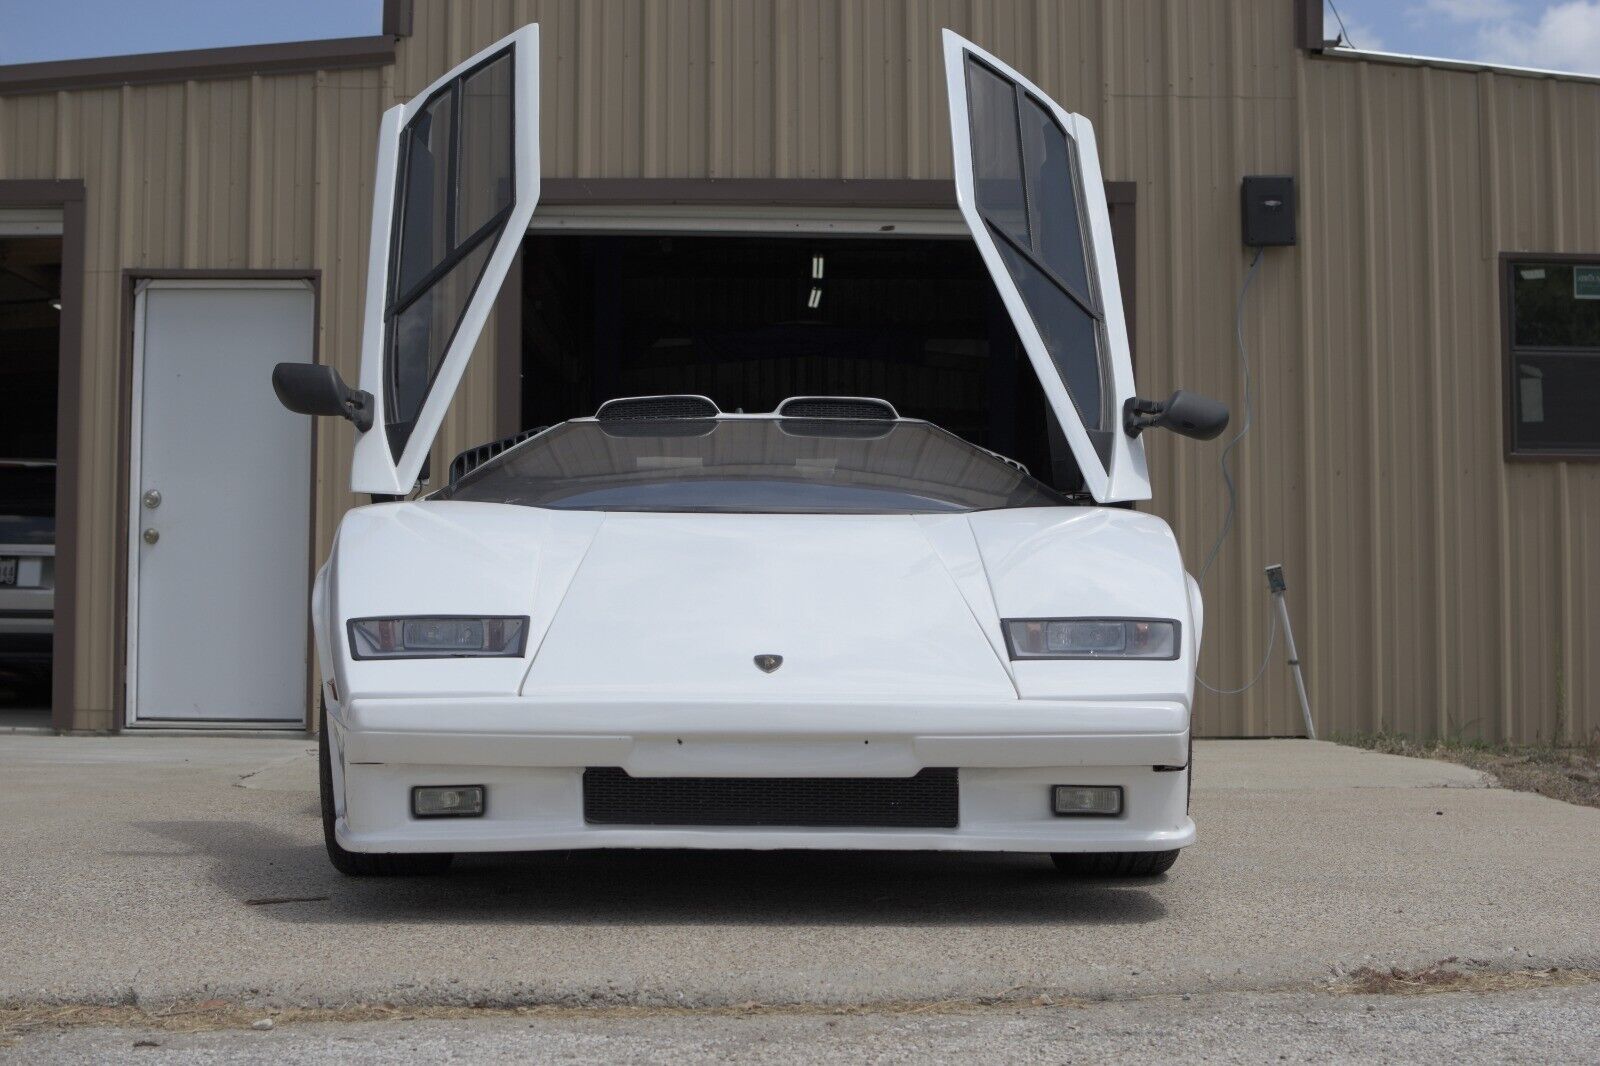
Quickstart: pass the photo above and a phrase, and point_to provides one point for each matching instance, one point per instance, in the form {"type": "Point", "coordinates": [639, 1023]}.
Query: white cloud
{"type": "Point", "coordinates": [1470, 10]}
{"type": "Point", "coordinates": [1566, 36]}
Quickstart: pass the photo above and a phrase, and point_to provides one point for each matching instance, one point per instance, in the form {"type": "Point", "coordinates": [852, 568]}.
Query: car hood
{"type": "Point", "coordinates": [677, 607]}
{"type": "Point", "coordinates": [680, 605]}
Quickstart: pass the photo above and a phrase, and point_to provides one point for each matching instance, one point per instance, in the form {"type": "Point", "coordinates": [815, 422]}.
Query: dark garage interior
{"type": "Point", "coordinates": [752, 320]}
{"type": "Point", "coordinates": [30, 327]}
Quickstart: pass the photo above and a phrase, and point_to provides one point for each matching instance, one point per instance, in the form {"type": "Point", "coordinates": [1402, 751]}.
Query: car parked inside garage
{"type": "Point", "coordinates": [27, 569]}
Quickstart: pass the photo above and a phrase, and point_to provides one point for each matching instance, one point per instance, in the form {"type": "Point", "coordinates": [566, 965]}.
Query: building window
{"type": "Point", "coordinates": [1552, 333]}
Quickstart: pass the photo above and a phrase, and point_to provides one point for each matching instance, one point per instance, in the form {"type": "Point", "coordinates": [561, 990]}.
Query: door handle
{"type": "Point", "coordinates": [151, 535]}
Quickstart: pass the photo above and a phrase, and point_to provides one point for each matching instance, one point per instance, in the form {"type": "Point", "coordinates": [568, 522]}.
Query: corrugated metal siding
{"type": "Point", "coordinates": [1456, 595]}
{"type": "Point", "coordinates": [1437, 589]}
{"type": "Point", "coordinates": [263, 172]}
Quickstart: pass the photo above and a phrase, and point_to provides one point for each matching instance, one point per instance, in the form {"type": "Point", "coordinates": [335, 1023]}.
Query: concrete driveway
{"type": "Point", "coordinates": [136, 868]}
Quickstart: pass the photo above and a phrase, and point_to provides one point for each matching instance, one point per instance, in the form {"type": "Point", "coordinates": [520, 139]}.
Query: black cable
{"type": "Point", "coordinates": [1227, 476]}
{"type": "Point", "coordinates": [1344, 33]}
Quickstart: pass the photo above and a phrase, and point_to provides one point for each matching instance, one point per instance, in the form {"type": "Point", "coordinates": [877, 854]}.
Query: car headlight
{"type": "Point", "coordinates": [1091, 638]}
{"type": "Point", "coordinates": [438, 637]}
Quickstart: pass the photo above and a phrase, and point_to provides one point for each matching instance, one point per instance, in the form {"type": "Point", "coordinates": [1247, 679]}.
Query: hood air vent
{"type": "Point", "coordinates": [853, 407]}
{"type": "Point", "coordinates": [467, 461]}
{"type": "Point", "coordinates": [656, 409]}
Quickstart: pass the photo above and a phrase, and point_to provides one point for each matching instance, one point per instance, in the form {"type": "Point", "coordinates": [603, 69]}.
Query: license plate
{"type": "Point", "coordinates": [8, 569]}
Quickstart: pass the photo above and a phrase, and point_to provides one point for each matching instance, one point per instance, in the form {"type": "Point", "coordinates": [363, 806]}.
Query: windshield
{"type": "Point", "coordinates": [27, 502]}
{"type": "Point", "coordinates": [752, 466]}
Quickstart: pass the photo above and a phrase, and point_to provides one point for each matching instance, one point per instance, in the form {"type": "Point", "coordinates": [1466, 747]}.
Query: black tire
{"type": "Point", "coordinates": [360, 863]}
{"type": "Point", "coordinates": [1114, 863]}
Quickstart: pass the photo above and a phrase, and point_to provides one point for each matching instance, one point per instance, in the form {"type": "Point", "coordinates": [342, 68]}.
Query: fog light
{"type": "Point", "coordinates": [1102, 800]}
{"type": "Point", "coordinates": [452, 801]}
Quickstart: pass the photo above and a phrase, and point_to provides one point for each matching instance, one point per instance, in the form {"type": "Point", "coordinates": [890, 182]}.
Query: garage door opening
{"type": "Point", "coordinates": [751, 320]}
{"type": "Point", "coordinates": [30, 335]}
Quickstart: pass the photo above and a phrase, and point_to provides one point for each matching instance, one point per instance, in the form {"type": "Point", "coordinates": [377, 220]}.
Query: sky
{"type": "Point", "coordinates": [1551, 34]}
{"type": "Point", "coordinates": [37, 30]}
{"type": "Point", "coordinates": [1554, 34]}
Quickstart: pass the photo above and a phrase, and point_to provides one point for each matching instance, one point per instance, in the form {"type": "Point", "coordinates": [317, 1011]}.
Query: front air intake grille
{"type": "Point", "coordinates": [930, 800]}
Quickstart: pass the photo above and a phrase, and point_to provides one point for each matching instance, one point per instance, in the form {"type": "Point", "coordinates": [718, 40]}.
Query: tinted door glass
{"type": "Point", "coordinates": [421, 333]}
{"type": "Point", "coordinates": [1026, 185]}
{"type": "Point", "coordinates": [1052, 177]}
{"type": "Point", "coordinates": [455, 194]}
{"type": "Point", "coordinates": [1071, 335]}
{"type": "Point", "coordinates": [426, 181]}
{"type": "Point", "coordinates": [997, 154]}
{"type": "Point", "coordinates": [485, 147]}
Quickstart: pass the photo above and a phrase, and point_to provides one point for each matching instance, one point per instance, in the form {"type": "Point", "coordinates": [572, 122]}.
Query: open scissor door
{"type": "Point", "coordinates": [1028, 184]}
{"type": "Point", "coordinates": [457, 182]}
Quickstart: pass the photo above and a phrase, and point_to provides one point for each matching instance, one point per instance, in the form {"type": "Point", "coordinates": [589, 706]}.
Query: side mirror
{"type": "Point", "coordinates": [1187, 413]}
{"type": "Point", "coordinates": [310, 389]}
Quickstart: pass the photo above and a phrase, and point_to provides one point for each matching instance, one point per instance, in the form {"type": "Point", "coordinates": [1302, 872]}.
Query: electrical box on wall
{"type": "Point", "coordinates": [1267, 208]}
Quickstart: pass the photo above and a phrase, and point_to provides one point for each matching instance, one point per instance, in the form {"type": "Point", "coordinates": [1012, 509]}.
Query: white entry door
{"type": "Point", "coordinates": [219, 507]}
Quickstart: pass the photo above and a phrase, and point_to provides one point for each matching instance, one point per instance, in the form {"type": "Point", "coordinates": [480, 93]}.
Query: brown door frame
{"type": "Point", "coordinates": [125, 400]}
{"type": "Point", "coordinates": [69, 196]}
{"type": "Point", "coordinates": [602, 193]}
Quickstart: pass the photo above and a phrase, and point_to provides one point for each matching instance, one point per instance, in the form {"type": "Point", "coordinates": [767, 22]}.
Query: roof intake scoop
{"type": "Point", "coordinates": [656, 409]}
{"type": "Point", "coordinates": [854, 407]}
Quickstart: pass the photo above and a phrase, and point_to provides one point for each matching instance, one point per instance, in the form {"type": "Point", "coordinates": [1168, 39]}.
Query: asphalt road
{"type": "Point", "coordinates": [132, 863]}
{"type": "Point", "coordinates": [1559, 1025]}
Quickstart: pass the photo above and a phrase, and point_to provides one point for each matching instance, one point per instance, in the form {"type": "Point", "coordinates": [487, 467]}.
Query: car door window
{"type": "Point", "coordinates": [455, 194]}
{"type": "Point", "coordinates": [1022, 160]}
{"type": "Point", "coordinates": [997, 160]}
{"type": "Point", "coordinates": [422, 333]}
{"type": "Point", "coordinates": [1030, 191]}
{"type": "Point", "coordinates": [486, 147]}
{"type": "Point", "coordinates": [424, 181]}
{"type": "Point", "coordinates": [1071, 334]}
{"type": "Point", "coordinates": [1051, 162]}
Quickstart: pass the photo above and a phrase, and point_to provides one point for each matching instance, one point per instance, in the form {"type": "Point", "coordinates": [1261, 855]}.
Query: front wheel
{"type": "Point", "coordinates": [360, 863]}
{"type": "Point", "coordinates": [1114, 863]}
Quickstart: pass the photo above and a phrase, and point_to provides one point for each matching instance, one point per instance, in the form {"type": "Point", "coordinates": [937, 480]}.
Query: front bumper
{"type": "Point", "coordinates": [530, 755]}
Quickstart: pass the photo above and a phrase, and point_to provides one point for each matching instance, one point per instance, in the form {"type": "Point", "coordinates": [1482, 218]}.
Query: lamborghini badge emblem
{"type": "Point", "coordinates": [769, 663]}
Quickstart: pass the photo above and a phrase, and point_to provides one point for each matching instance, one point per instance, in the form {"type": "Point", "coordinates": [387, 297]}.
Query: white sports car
{"type": "Point", "coordinates": [668, 626]}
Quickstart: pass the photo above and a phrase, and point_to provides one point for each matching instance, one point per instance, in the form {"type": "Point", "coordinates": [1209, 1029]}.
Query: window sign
{"type": "Point", "coordinates": [1586, 282]}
